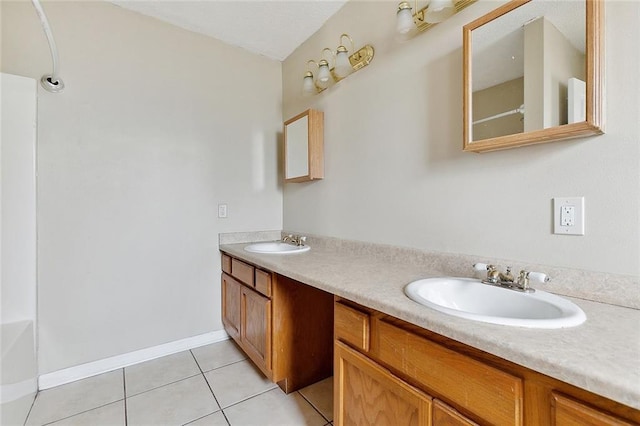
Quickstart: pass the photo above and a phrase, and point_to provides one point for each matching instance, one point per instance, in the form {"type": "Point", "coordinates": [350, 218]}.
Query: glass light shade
{"type": "Point", "coordinates": [439, 10]}
{"type": "Point", "coordinates": [343, 66]}
{"type": "Point", "coordinates": [404, 21]}
{"type": "Point", "coordinates": [323, 74]}
{"type": "Point", "coordinates": [308, 87]}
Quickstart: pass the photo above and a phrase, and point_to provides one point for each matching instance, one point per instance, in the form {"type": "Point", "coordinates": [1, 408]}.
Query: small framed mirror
{"type": "Point", "coordinates": [304, 147]}
{"type": "Point", "coordinates": [533, 73]}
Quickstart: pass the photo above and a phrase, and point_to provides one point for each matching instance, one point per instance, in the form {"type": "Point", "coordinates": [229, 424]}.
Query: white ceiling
{"type": "Point", "coordinates": [273, 28]}
{"type": "Point", "coordinates": [498, 47]}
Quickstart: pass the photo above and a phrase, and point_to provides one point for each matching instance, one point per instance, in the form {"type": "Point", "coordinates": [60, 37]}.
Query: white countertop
{"type": "Point", "coordinates": [602, 355]}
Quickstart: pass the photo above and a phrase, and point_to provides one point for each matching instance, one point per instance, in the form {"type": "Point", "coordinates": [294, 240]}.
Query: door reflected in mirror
{"type": "Point", "coordinates": [532, 74]}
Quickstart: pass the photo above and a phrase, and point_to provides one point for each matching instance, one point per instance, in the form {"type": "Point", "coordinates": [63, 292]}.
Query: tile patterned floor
{"type": "Point", "coordinates": [207, 386]}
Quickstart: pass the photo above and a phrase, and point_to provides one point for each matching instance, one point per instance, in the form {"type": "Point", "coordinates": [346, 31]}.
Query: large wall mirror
{"type": "Point", "coordinates": [533, 74]}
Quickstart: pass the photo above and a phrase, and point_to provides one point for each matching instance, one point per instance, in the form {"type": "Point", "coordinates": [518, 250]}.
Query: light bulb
{"type": "Point", "coordinates": [343, 65]}
{"type": "Point", "coordinates": [439, 10]}
{"type": "Point", "coordinates": [404, 18]}
{"type": "Point", "coordinates": [323, 74]}
{"type": "Point", "coordinates": [308, 87]}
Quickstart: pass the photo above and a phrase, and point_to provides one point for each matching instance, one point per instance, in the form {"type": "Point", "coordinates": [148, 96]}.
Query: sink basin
{"type": "Point", "coordinates": [471, 299]}
{"type": "Point", "coordinates": [277, 247]}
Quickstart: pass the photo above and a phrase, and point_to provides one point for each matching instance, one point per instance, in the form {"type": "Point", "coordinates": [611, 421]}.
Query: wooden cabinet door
{"type": "Point", "coordinates": [443, 415]}
{"type": "Point", "coordinates": [256, 327]}
{"type": "Point", "coordinates": [367, 394]}
{"type": "Point", "coordinates": [567, 412]}
{"type": "Point", "coordinates": [231, 305]}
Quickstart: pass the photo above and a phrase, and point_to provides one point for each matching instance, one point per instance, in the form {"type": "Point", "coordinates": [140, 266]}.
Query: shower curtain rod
{"type": "Point", "coordinates": [502, 114]}
{"type": "Point", "coordinates": [50, 82]}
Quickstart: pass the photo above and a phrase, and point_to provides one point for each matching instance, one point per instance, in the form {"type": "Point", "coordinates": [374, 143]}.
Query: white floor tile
{"type": "Point", "coordinates": [274, 408]}
{"type": "Point", "coordinates": [236, 382]}
{"type": "Point", "coordinates": [218, 355]}
{"type": "Point", "coordinates": [215, 419]}
{"type": "Point", "coordinates": [174, 404]}
{"type": "Point", "coordinates": [107, 415]}
{"type": "Point", "coordinates": [73, 398]}
{"type": "Point", "coordinates": [159, 372]}
{"type": "Point", "coordinates": [320, 395]}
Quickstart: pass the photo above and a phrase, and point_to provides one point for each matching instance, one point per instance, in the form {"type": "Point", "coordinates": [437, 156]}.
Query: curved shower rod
{"type": "Point", "coordinates": [50, 82]}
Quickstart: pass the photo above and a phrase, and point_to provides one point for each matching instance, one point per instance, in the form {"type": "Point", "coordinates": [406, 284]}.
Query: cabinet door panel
{"type": "Point", "coordinates": [443, 415]}
{"type": "Point", "coordinates": [256, 327]}
{"type": "Point", "coordinates": [367, 394]}
{"type": "Point", "coordinates": [231, 306]}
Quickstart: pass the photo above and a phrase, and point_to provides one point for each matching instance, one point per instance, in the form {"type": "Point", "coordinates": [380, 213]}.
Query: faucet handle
{"type": "Point", "coordinates": [479, 267]}
{"type": "Point", "coordinates": [538, 277]}
{"type": "Point", "coordinates": [525, 277]}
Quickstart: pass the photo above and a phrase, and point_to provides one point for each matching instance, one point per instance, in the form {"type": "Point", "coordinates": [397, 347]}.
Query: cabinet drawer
{"type": "Point", "coordinates": [567, 412]}
{"type": "Point", "coordinates": [242, 271]}
{"type": "Point", "coordinates": [263, 282]}
{"type": "Point", "coordinates": [493, 395]}
{"type": "Point", "coordinates": [226, 264]}
{"type": "Point", "coordinates": [352, 326]}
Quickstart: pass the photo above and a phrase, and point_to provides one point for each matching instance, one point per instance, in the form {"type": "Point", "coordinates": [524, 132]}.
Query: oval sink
{"type": "Point", "coordinates": [277, 247]}
{"type": "Point", "coordinates": [471, 299]}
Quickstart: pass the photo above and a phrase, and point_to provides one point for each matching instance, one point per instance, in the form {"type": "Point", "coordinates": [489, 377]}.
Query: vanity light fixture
{"type": "Point", "coordinates": [434, 12]}
{"type": "Point", "coordinates": [324, 75]}
{"type": "Point", "coordinates": [344, 64]}
{"type": "Point", "coordinates": [309, 86]}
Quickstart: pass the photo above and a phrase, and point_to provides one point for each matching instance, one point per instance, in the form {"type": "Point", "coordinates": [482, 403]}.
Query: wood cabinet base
{"type": "Point", "coordinates": [385, 367]}
{"type": "Point", "coordinates": [285, 327]}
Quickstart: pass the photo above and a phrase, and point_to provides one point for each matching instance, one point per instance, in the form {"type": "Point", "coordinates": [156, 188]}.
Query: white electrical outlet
{"type": "Point", "coordinates": [222, 211]}
{"type": "Point", "coordinates": [568, 215]}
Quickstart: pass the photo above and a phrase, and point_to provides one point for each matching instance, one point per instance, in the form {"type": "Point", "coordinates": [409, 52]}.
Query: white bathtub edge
{"type": "Point", "coordinates": [82, 371]}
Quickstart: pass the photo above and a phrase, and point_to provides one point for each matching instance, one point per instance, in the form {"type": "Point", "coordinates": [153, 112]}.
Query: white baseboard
{"type": "Point", "coordinates": [82, 371]}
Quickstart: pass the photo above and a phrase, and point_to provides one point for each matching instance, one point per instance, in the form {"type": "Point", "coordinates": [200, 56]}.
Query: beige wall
{"type": "Point", "coordinates": [562, 62]}
{"type": "Point", "coordinates": [550, 60]}
{"type": "Point", "coordinates": [496, 100]}
{"type": "Point", "coordinates": [157, 126]}
{"type": "Point", "coordinates": [534, 85]}
{"type": "Point", "coordinates": [395, 170]}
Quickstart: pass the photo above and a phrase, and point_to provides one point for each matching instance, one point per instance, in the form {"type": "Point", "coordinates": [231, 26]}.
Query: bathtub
{"type": "Point", "coordinates": [18, 372]}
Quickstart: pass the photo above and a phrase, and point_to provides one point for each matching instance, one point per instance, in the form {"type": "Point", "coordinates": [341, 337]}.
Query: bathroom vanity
{"type": "Point", "coordinates": [388, 371]}
{"type": "Point", "coordinates": [397, 362]}
{"type": "Point", "coordinates": [281, 324]}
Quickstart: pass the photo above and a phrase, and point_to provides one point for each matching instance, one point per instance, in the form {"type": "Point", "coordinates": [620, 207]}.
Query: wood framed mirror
{"type": "Point", "coordinates": [533, 73]}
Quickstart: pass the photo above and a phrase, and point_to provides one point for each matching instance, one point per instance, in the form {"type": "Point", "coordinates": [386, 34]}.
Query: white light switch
{"type": "Point", "coordinates": [568, 215]}
{"type": "Point", "coordinates": [222, 211]}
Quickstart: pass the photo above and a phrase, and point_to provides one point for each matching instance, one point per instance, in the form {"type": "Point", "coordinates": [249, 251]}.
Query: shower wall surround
{"type": "Point", "coordinates": [150, 134]}
{"type": "Point", "coordinates": [393, 150]}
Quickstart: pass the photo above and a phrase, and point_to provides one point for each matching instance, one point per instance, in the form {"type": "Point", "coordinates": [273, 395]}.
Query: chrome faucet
{"type": "Point", "coordinates": [287, 238]}
{"type": "Point", "coordinates": [297, 240]}
{"type": "Point", "coordinates": [507, 280]}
